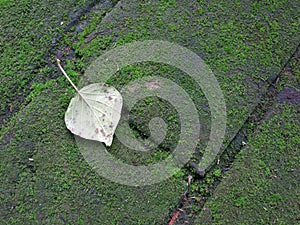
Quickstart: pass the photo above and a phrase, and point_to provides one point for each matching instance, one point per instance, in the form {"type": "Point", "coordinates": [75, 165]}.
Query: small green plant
{"type": "Point", "coordinates": [217, 173]}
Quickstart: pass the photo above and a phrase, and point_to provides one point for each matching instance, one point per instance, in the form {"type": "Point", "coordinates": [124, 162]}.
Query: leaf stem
{"type": "Point", "coordinates": [64, 72]}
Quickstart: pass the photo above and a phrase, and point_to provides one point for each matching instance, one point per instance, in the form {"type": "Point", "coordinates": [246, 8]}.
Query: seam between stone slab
{"type": "Point", "coordinates": [271, 83]}
{"type": "Point", "coordinates": [267, 101]}
{"type": "Point", "coordinates": [56, 38]}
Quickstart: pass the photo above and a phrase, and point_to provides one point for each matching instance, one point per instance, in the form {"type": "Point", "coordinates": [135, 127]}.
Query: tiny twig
{"type": "Point", "coordinates": [174, 218]}
{"type": "Point", "coordinates": [184, 198]}
{"type": "Point", "coordinates": [187, 186]}
{"type": "Point", "coordinates": [64, 72]}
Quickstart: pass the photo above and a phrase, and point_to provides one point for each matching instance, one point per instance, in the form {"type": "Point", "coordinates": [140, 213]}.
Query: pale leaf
{"type": "Point", "coordinates": [94, 113]}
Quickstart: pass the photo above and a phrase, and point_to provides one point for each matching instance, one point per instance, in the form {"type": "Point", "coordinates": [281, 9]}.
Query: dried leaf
{"type": "Point", "coordinates": [94, 112]}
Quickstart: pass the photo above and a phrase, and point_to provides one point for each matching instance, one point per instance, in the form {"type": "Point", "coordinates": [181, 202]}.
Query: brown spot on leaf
{"type": "Point", "coordinates": [97, 131]}
{"type": "Point", "coordinates": [110, 98]}
{"type": "Point", "coordinates": [105, 91]}
{"type": "Point", "coordinates": [102, 132]}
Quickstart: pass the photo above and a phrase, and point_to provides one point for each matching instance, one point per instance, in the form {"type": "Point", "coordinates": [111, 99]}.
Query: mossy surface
{"type": "Point", "coordinates": [59, 186]}
{"type": "Point", "coordinates": [245, 44]}
{"type": "Point", "coordinates": [262, 187]}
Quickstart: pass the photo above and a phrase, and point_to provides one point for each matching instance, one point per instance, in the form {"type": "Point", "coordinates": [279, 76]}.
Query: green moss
{"type": "Point", "coordinates": [261, 174]}
{"type": "Point", "coordinates": [60, 186]}
{"type": "Point", "coordinates": [37, 88]}
{"type": "Point", "coordinates": [6, 4]}
{"type": "Point", "coordinates": [95, 45]}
